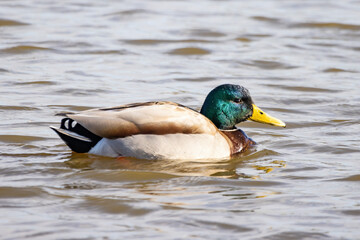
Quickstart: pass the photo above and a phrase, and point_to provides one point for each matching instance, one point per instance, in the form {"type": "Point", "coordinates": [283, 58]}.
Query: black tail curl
{"type": "Point", "coordinates": [78, 138]}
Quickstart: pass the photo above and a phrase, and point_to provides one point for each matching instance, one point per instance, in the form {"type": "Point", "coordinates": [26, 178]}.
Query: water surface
{"type": "Point", "coordinates": [299, 59]}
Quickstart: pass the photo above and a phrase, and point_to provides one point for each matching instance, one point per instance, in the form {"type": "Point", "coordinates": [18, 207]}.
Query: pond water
{"type": "Point", "coordinates": [299, 59]}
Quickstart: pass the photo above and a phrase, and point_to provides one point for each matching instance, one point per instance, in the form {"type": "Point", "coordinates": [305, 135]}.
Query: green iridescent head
{"type": "Point", "coordinates": [228, 104]}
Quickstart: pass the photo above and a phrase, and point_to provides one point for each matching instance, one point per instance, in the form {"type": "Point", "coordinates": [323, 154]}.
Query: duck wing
{"type": "Point", "coordinates": [144, 118]}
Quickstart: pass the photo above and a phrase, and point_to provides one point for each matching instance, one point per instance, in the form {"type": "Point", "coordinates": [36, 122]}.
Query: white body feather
{"type": "Point", "coordinates": [168, 146]}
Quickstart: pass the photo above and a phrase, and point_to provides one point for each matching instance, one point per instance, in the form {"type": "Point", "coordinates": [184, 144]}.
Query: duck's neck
{"type": "Point", "coordinates": [218, 115]}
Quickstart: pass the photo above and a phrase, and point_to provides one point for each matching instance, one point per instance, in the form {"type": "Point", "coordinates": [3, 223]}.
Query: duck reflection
{"type": "Point", "coordinates": [251, 164]}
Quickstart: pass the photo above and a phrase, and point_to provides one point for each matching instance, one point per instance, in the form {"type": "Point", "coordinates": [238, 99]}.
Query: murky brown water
{"type": "Point", "coordinates": [299, 59]}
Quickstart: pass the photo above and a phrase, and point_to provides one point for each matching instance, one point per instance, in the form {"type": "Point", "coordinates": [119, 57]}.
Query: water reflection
{"type": "Point", "coordinates": [251, 164]}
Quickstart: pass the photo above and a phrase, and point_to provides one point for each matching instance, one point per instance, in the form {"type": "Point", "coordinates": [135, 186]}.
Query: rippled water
{"type": "Point", "coordinates": [299, 59]}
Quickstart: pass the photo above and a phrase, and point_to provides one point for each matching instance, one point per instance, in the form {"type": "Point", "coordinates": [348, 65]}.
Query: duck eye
{"type": "Point", "coordinates": [237, 100]}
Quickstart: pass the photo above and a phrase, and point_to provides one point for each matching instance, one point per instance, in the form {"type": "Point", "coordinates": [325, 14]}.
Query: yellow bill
{"type": "Point", "coordinates": [261, 117]}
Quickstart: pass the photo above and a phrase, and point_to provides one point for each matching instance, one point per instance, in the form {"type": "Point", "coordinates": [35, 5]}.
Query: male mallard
{"type": "Point", "coordinates": [167, 130]}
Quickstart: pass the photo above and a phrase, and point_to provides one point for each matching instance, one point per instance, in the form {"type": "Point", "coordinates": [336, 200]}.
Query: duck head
{"type": "Point", "coordinates": [228, 105]}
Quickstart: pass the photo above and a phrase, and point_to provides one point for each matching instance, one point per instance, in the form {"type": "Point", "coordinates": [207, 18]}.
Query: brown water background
{"type": "Point", "coordinates": [299, 59]}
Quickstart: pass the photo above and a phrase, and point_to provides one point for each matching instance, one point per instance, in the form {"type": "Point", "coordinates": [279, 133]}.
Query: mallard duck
{"type": "Point", "coordinates": [166, 130]}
